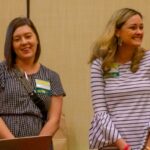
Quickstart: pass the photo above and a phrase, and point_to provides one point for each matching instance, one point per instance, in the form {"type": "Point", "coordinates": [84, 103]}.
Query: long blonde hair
{"type": "Point", "coordinates": [106, 46]}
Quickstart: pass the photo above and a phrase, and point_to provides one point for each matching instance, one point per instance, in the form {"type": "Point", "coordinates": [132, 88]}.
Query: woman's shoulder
{"type": "Point", "coordinates": [147, 51]}
{"type": "Point", "coordinates": [147, 54]}
{"type": "Point", "coordinates": [2, 73]}
{"type": "Point", "coordinates": [146, 58]}
{"type": "Point", "coordinates": [3, 65]}
{"type": "Point", "coordinates": [48, 71]}
{"type": "Point", "coordinates": [96, 62]}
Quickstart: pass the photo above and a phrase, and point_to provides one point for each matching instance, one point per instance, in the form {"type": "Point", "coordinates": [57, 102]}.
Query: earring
{"type": "Point", "coordinates": [119, 41]}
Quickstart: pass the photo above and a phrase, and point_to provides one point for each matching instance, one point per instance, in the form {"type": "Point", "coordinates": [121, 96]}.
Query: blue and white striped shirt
{"type": "Point", "coordinates": [121, 105]}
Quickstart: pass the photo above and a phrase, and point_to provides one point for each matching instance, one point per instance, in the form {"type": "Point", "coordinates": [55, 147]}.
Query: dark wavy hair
{"type": "Point", "coordinates": [9, 53]}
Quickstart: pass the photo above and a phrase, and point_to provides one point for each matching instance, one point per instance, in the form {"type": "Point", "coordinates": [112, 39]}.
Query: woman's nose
{"type": "Point", "coordinates": [139, 31]}
{"type": "Point", "coordinates": [23, 40]}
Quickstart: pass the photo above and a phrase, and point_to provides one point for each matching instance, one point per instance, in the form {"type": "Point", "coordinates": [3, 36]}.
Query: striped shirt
{"type": "Point", "coordinates": [19, 112]}
{"type": "Point", "coordinates": [121, 105]}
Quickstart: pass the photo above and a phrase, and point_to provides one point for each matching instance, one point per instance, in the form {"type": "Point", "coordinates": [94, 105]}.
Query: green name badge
{"type": "Point", "coordinates": [43, 87]}
{"type": "Point", "coordinates": [114, 72]}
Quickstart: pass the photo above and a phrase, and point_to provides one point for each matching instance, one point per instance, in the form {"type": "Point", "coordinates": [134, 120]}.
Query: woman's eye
{"type": "Point", "coordinates": [28, 36]}
{"type": "Point", "coordinates": [141, 27]}
{"type": "Point", "coordinates": [16, 39]}
{"type": "Point", "coordinates": [133, 27]}
{"type": "Point", "coordinates": [136, 27]}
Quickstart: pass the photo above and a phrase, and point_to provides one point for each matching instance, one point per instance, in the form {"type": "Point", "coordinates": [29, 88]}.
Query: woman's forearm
{"type": "Point", "coordinates": [54, 116]}
{"type": "Point", "coordinates": [49, 128]}
{"type": "Point", "coordinates": [147, 146]}
{"type": "Point", "coordinates": [4, 131]}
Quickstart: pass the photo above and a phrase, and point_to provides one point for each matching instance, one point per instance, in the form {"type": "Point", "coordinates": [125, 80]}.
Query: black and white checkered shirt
{"type": "Point", "coordinates": [19, 112]}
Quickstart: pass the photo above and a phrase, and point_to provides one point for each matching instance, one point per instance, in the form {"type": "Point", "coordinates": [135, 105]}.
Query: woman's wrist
{"type": "Point", "coordinates": [147, 148]}
{"type": "Point", "coordinates": [127, 147]}
{"type": "Point", "coordinates": [122, 145]}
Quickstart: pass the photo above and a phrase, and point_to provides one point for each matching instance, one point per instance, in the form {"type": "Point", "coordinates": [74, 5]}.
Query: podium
{"type": "Point", "coordinates": [27, 143]}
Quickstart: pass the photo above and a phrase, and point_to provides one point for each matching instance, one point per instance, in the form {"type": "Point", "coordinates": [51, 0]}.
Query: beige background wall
{"type": "Point", "coordinates": [67, 30]}
{"type": "Point", "coordinates": [8, 10]}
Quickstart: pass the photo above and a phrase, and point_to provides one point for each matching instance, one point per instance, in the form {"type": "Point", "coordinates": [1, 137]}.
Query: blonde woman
{"type": "Point", "coordinates": [120, 85]}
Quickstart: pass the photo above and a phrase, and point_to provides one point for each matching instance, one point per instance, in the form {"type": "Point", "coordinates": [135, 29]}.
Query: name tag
{"type": "Point", "coordinates": [43, 87]}
{"type": "Point", "coordinates": [114, 72]}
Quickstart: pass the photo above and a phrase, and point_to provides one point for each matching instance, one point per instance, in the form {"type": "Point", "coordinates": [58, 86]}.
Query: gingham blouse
{"type": "Point", "coordinates": [121, 106]}
{"type": "Point", "coordinates": [19, 112]}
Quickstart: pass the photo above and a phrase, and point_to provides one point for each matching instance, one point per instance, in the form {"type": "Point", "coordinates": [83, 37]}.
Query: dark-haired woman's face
{"type": "Point", "coordinates": [132, 32]}
{"type": "Point", "coordinates": [24, 43]}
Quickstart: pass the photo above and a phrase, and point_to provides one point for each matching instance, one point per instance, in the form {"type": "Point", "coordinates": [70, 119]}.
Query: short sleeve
{"type": "Point", "coordinates": [56, 85]}
{"type": "Point", "coordinates": [2, 73]}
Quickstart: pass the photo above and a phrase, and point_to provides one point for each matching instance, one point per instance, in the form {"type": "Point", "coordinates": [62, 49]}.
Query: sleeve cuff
{"type": "Point", "coordinates": [102, 131]}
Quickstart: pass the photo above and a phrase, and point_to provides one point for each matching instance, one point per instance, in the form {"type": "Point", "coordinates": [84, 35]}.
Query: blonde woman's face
{"type": "Point", "coordinates": [131, 33]}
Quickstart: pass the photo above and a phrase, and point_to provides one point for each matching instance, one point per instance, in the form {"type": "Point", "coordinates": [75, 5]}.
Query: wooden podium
{"type": "Point", "coordinates": [27, 143]}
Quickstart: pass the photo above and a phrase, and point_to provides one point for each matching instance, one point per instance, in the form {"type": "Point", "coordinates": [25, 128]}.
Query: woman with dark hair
{"type": "Point", "coordinates": [120, 85]}
{"type": "Point", "coordinates": [20, 113]}
{"type": "Point", "coordinates": [8, 50]}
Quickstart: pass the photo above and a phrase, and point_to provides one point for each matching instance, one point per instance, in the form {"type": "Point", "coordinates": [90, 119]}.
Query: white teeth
{"type": "Point", "coordinates": [138, 38]}
{"type": "Point", "coordinates": [27, 48]}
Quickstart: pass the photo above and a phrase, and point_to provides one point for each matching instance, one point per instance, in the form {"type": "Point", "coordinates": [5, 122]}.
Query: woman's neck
{"type": "Point", "coordinates": [28, 67]}
{"type": "Point", "coordinates": [124, 55]}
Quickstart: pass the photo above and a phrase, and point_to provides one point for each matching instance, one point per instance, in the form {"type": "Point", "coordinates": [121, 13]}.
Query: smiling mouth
{"type": "Point", "coordinates": [138, 38]}
{"type": "Point", "coordinates": [25, 49]}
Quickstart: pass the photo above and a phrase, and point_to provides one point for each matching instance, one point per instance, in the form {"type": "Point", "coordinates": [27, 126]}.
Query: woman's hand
{"type": "Point", "coordinates": [122, 145]}
{"type": "Point", "coordinates": [4, 131]}
{"type": "Point", "coordinates": [147, 146]}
